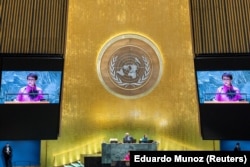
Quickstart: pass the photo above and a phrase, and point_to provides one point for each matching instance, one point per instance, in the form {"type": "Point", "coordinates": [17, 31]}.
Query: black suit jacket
{"type": "Point", "coordinates": [6, 153]}
{"type": "Point", "coordinates": [128, 139]}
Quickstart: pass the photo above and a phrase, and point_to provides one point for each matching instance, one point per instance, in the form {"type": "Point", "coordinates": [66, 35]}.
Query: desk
{"type": "Point", "coordinates": [226, 102]}
{"type": "Point", "coordinates": [116, 152]}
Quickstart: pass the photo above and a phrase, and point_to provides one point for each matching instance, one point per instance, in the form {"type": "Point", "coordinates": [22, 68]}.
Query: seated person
{"type": "Point", "coordinates": [127, 138]}
{"type": "Point", "coordinates": [144, 139]}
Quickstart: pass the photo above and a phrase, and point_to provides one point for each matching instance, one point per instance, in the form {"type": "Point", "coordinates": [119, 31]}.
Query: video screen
{"type": "Point", "coordinates": [223, 86]}
{"type": "Point", "coordinates": [30, 96]}
{"type": "Point", "coordinates": [36, 87]}
{"type": "Point", "coordinates": [223, 90]}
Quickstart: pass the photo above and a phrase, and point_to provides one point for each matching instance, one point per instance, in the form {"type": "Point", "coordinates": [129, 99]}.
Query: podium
{"type": "Point", "coordinates": [210, 98]}
{"type": "Point", "coordinates": [26, 102]}
{"type": "Point", "coordinates": [226, 102]}
{"type": "Point", "coordinates": [11, 98]}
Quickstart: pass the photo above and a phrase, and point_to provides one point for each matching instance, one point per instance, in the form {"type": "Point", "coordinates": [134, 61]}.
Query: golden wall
{"type": "Point", "coordinates": [91, 115]}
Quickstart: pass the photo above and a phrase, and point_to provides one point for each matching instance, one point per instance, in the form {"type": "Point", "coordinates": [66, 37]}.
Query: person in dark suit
{"type": "Point", "coordinates": [144, 139]}
{"type": "Point", "coordinates": [127, 138]}
{"type": "Point", "coordinates": [237, 147]}
{"type": "Point", "coordinates": [7, 153]}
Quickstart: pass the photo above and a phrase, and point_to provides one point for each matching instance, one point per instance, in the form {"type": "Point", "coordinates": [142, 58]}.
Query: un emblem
{"type": "Point", "coordinates": [129, 66]}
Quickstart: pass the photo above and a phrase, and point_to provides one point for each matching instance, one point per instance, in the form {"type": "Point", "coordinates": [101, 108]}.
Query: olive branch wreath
{"type": "Point", "coordinates": [141, 80]}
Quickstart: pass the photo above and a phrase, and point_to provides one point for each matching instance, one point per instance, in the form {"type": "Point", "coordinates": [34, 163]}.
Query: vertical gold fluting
{"type": "Point", "coordinates": [92, 115]}
{"type": "Point", "coordinates": [30, 26]}
{"type": "Point", "coordinates": [220, 26]}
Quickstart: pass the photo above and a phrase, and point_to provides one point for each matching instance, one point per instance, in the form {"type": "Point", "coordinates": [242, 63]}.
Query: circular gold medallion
{"type": "Point", "coordinates": [129, 66]}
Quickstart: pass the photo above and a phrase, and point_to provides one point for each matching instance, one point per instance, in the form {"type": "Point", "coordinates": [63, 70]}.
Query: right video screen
{"type": "Point", "coordinates": [223, 90]}
{"type": "Point", "coordinates": [223, 86]}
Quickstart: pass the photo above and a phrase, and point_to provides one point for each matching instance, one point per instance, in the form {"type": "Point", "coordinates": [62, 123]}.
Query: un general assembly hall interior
{"type": "Point", "coordinates": [78, 76]}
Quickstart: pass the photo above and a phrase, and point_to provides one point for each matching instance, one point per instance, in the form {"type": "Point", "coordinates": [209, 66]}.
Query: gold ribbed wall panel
{"type": "Point", "coordinates": [91, 115]}
{"type": "Point", "coordinates": [33, 26]}
{"type": "Point", "coordinates": [220, 26]}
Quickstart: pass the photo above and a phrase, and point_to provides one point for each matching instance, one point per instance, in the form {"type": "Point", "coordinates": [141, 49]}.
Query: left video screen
{"type": "Point", "coordinates": [30, 96]}
{"type": "Point", "coordinates": [20, 87]}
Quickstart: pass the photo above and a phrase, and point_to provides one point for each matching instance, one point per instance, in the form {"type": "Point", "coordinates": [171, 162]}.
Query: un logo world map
{"type": "Point", "coordinates": [129, 66]}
